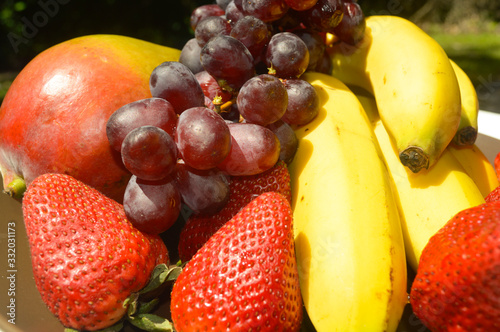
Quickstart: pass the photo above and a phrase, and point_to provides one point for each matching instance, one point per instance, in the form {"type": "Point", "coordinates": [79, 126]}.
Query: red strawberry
{"type": "Point", "coordinates": [87, 257]}
{"type": "Point", "coordinates": [457, 286]}
{"type": "Point", "coordinates": [245, 277]}
{"type": "Point", "coordinates": [244, 189]}
{"type": "Point", "coordinates": [496, 163]}
{"type": "Point", "coordinates": [494, 195]}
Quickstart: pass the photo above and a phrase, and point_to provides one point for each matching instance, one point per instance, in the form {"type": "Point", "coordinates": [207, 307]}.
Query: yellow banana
{"type": "Point", "coordinates": [428, 199]}
{"type": "Point", "coordinates": [348, 237]}
{"type": "Point", "coordinates": [467, 130]}
{"type": "Point", "coordinates": [477, 165]}
{"type": "Point", "coordinates": [413, 82]}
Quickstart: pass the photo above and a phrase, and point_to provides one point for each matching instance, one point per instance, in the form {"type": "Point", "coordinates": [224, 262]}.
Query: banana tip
{"type": "Point", "coordinates": [414, 158]}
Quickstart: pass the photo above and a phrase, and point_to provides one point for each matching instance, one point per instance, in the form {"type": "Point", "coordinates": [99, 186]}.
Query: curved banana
{"type": "Point", "coordinates": [348, 237]}
{"type": "Point", "coordinates": [467, 130]}
{"type": "Point", "coordinates": [413, 82]}
{"type": "Point", "coordinates": [477, 165]}
{"type": "Point", "coordinates": [428, 199]}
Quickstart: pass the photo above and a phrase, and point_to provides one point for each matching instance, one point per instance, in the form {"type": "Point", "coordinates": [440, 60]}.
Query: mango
{"type": "Point", "coordinates": [53, 117]}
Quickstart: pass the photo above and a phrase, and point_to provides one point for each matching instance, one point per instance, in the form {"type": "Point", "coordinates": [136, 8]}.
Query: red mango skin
{"type": "Point", "coordinates": [53, 118]}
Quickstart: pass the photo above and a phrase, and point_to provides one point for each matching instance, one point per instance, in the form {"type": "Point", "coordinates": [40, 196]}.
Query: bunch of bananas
{"type": "Point", "coordinates": [387, 162]}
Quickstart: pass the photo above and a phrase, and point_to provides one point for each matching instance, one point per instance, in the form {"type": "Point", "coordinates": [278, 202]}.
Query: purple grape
{"type": "Point", "coordinates": [265, 10]}
{"type": "Point", "coordinates": [176, 83]}
{"type": "Point", "coordinates": [202, 137]}
{"type": "Point", "coordinates": [149, 153]}
{"type": "Point", "coordinates": [253, 33]}
{"type": "Point", "coordinates": [262, 99]}
{"type": "Point", "coordinates": [210, 27]}
{"type": "Point", "coordinates": [151, 111]}
{"type": "Point", "coordinates": [288, 140]}
{"type": "Point", "coordinates": [352, 27]}
{"type": "Point", "coordinates": [202, 12]}
{"type": "Point", "coordinates": [229, 61]}
{"type": "Point", "coordinates": [254, 149]}
{"type": "Point", "coordinates": [287, 54]}
{"type": "Point", "coordinates": [152, 206]}
{"type": "Point", "coordinates": [303, 102]}
{"type": "Point", "coordinates": [190, 56]}
{"type": "Point", "coordinates": [203, 191]}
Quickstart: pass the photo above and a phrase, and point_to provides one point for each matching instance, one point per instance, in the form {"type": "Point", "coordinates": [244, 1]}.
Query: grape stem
{"type": "Point", "coordinates": [222, 107]}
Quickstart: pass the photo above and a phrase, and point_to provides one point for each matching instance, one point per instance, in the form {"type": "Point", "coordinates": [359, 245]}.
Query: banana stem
{"type": "Point", "coordinates": [465, 136]}
{"type": "Point", "coordinates": [414, 158]}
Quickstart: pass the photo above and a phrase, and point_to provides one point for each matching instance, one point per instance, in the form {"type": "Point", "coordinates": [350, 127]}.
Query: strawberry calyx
{"type": "Point", "coordinates": [140, 304]}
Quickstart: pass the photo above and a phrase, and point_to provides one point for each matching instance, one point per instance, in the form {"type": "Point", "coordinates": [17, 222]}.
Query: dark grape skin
{"type": "Point", "coordinates": [287, 54]}
{"type": "Point", "coordinates": [323, 16]}
{"type": "Point", "coordinates": [303, 102]}
{"type": "Point", "coordinates": [190, 56]}
{"type": "Point", "coordinates": [288, 140]}
{"type": "Point", "coordinates": [229, 61]}
{"type": "Point", "coordinates": [202, 137]}
{"type": "Point", "coordinates": [254, 149]}
{"type": "Point", "coordinates": [253, 33]}
{"type": "Point", "coordinates": [203, 11]}
{"type": "Point", "coordinates": [351, 29]}
{"type": "Point", "coordinates": [233, 13]}
{"type": "Point", "coordinates": [150, 111]}
{"type": "Point", "coordinates": [149, 153]}
{"type": "Point", "coordinates": [152, 206]}
{"type": "Point", "coordinates": [175, 82]}
{"type": "Point", "coordinates": [210, 27]}
{"type": "Point", "coordinates": [315, 45]}
{"type": "Point", "coordinates": [265, 10]}
{"type": "Point", "coordinates": [262, 99]}
{"type": "Point", "coordinates": [205, 192]}
{"type": "Point", "coordinates": [300, 5]}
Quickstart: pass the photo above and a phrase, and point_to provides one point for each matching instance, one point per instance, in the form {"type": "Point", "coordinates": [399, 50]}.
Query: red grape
{"type": "Point", "coordinates": [254, 149]}
{"type": "Point", "coordinates": [262, 99]}
{"type": "Point", "coordinates": [176, 83]}
{"type": "Point", "coordinates": [152, 206]}
{"type": "Point", "coordinates": [265, 10]}
{"type": "Point", "coordinates": [288, 140]}
{"type": "Point", "coordinates": [149, 153]}
{"type": "Point", "coordinates": [303, 102]}
{"type": "Point", "coordinates": [233, 13]}
{"type": "Point", "coordinates": [190, 56]}
{"type": "Point", "coordinates": [228, 60]}
{"type": "Point", "coordinates": [151, 111]}
{"type": "Point", "coordinates": [323, 16]}
{"type": "Point", "coordinates": [210, 27]}
{"type": "Point", "coordinates": [202, 12]}
{"type": "Point", "coordinates": [211, 88]}
{"type": "Point", "coordinates": [287, 54]}
{"type": "Point", "coordinates": [315, 45]}
{"type": "Point", "coordinates": [203, 191]}
{"type": "Point", "coordinates": [352, 27]}
{"type": "Point", "coordinates": [253, 33]}
{"type": "Point", "coordinates": [300, 4]}
{"type": "Point", "coordinates": [202, 137]}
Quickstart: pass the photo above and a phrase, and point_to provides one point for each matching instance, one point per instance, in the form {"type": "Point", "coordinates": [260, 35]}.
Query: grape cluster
{"type": "Point", "coordinates": [229, 106]}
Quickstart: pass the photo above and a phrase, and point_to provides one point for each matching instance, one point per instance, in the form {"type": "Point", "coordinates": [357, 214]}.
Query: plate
{"type": "Point", "coordinates": [20, 302]}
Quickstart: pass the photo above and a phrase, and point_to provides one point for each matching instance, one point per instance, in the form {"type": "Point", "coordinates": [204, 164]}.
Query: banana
{"type": "Point", "coordinates": [348, 236]}
{"type": "Point", "coordinates": [477, 165]}
{"type": "Point", "coordinates": [414, 84]}
{"type": "Point", "coordinates": [428, 199]}
{"type": "Point", "coordinates": [467, 130]}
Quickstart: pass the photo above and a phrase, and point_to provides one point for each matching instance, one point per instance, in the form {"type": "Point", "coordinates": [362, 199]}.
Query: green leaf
{"type": "Point", "coordinates": [132, 303]}
{"type": "Point", "coordinates": [146, 307]}
{"type": "Point", "coordinates": [160, 274]}
{"type": "Point", "coordinates": [153, 323]}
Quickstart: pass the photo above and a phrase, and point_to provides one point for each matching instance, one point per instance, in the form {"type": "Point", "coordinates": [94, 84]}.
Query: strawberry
{"type": "Point", "coordinates": [243, 189]}
{"type": "Point", "coordinates": [457, 285]}
{"type": "Point", "coordinates": [494, 195]}
{"type": "Point", "coordinates": [496, 163]}
{"type": "Point", "coordinates": [245, 277]}
{"type": "Point", "coordinates": [87, 258]}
